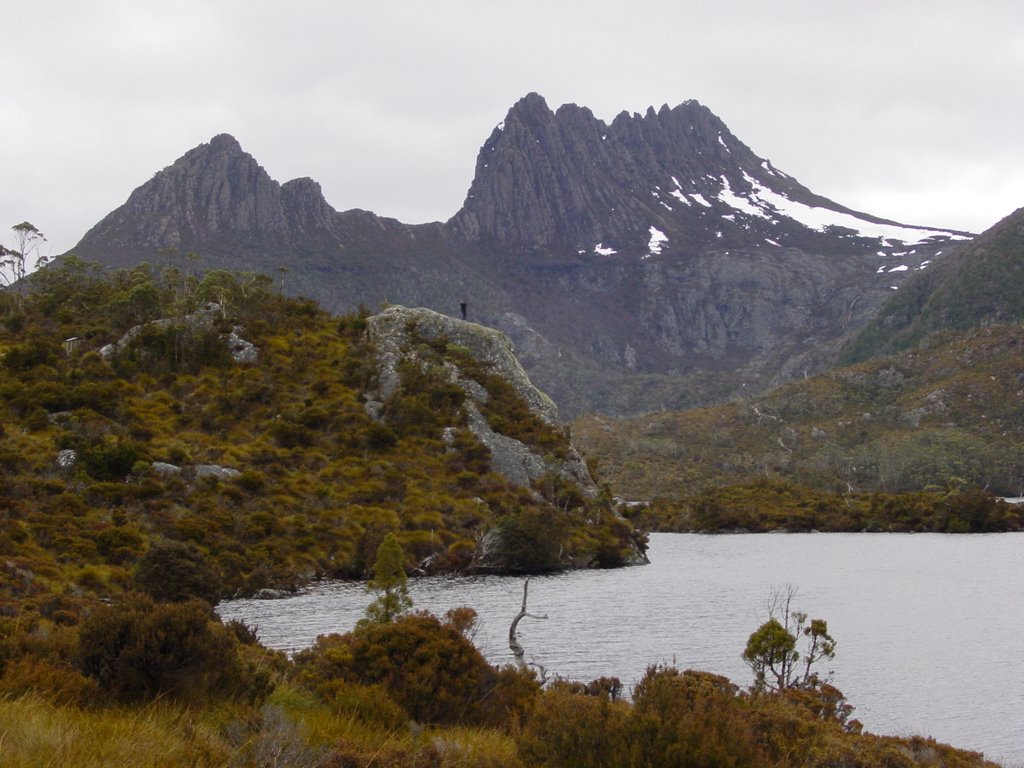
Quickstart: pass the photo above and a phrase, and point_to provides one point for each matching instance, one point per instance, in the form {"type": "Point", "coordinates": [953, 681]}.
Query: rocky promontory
{"type": "Point", "coordinates": [399, 335]}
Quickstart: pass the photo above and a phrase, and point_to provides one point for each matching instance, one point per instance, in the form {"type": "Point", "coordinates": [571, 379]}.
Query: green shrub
{"type": "Point", "coordinates": [434, 673]}
{"type": "Point", "coordinates": [35, 351]}
{"type": "Point", "coordinates": [140, 650]}
{"type": "Point", "coordinates": [529, 542]}
{"type": "Point", "coordinates": [177, 571]}
{"type": "Point", "coordinates": [58, 681]}
{"type": "Point", "coordinates": [570, 729]}
{"type": "Point", "coordinates": [119, 544]}
{"type": "Point", "coordinates": [692, 718]}
{"type": "Point", "coordinates": [111, 459]}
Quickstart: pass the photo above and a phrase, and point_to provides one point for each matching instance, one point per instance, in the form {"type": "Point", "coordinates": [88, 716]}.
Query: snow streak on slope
{"type": "Point", "coordinates": [767, 204]}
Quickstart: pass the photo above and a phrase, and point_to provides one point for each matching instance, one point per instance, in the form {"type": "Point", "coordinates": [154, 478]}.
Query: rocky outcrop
{"type": "Point", "coordinates": [396, 334]}
{"type": "Point", "coordinates": [391, 332]}
{"type": "Point", "coordinates": [241, 350]}
{"type": "Point", "coordinates": [215, 471]}
{"type": "Point", "coordinates": [196, 471]}
{"type": "Point", "coordinates": [67, 458]}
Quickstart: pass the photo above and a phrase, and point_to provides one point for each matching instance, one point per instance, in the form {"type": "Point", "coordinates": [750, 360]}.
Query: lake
{"type": "Point", "coordinates": [930, 627]}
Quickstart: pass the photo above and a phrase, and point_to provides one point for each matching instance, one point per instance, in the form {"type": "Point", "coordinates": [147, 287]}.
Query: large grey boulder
{"type": "Point", "coordinates": [395, 333]}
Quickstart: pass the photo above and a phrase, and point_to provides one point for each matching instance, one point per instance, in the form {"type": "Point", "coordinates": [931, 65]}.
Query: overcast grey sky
{"type": "Point", "coordinates": [909, 109]}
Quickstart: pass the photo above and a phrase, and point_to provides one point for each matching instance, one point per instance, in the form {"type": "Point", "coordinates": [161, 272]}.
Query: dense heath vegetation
{"type": "Point", "coordinates": [313, 482]}
{"type": "Point", "coordinates": [921, 441]}
{"type": "Point", "coordinates": [119, 529]}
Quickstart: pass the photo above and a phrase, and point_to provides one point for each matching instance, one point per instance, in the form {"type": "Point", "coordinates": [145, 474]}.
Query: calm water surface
{"type": "Point", "coordinates": [930, 628]}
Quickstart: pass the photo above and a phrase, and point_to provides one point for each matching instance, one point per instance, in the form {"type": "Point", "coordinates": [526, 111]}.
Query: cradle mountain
{"type": "Point", "coordinates": [654, 262]}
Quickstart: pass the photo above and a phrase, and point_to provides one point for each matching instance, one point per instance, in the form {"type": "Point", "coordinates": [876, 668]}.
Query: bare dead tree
{"type": "Point", "coordinates": [513, 640]}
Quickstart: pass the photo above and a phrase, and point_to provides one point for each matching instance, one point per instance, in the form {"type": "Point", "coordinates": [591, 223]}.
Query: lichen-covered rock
{"type": "Point", "coordinates": [241, 350]}
{"type": "Point", "coordinates": [390, 331]}
{"type": "Point", "coordinates": [67, 458]}
{"type": "Point", "coordinates": [163, 468]}
{"type": "Point", "coordinates": [395, 332]}
{"type": "Point", "coordinates": [215, 471]}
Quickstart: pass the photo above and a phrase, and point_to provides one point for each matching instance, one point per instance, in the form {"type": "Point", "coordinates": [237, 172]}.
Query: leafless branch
{"type": "Point", "coordinates": [513, 640]}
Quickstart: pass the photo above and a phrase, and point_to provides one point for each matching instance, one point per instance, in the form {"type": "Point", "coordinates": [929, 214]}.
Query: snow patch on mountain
{"type": "Point", "coordinates": [658, 239]}
{"type": "Point", "coordinates": [743, 204]}
{"type": "Point", "coordinates": [767, 204]}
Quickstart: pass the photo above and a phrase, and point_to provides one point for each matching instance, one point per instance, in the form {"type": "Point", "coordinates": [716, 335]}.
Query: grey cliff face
{"type": "Point", "coordinates": [392, 334]}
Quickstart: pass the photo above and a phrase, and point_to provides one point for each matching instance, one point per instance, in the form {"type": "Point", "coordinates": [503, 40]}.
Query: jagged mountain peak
{"type": "Point", "coordinates": [214, 193]}
{"type": "Point", "coordinates": [673, 179]}
{"type": "Point", "coordinates": [222, 148]}
{"type": "Point", "coordinates": [224, 142]}
{"type": "Point", "coordinates": [533, 103]}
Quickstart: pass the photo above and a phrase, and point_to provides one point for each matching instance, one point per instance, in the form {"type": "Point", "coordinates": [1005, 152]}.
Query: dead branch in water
{"type": "Point", "coordinates": [513, 640]}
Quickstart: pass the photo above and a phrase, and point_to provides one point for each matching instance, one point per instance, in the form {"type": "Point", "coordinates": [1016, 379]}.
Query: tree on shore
{"type": "Point", "coordinates": [772, 653]}
{"type": "Point", "coordinates": [389, 582]}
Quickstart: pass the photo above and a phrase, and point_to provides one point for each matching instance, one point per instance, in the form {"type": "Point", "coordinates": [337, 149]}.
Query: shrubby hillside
{"type": "Point", "coordinates": [144, 408]}
{"type": "Point", "coordinates": [169, 439]}
{"type": "Point", "coordinates": [934, 421]}
{"type": "Point", "coordinates": [977, 285]}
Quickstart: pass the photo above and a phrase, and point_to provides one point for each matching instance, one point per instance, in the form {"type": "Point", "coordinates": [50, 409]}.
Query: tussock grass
{"type": "Point", "coordinates": [36, 734]}
{"type": "Point", "coordinates": [475, 748]}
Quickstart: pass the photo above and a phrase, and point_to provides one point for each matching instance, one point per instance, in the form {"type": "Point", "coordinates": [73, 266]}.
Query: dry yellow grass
{"type": "Point", "coordinates": [36, 734]}
{"type": "Point", "coordinates": [292, 730]}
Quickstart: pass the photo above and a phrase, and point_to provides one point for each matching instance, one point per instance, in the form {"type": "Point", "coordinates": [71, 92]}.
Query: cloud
{"type": "Point", "coordinates": [906, 110]}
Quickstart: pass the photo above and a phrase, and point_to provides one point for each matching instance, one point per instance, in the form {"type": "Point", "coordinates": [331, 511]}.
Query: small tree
{"type": "Point", "coordinates": [15, 262]}
{"type": "Point", "coordinates": [389, 582]}
{"type": "Point", "coordinates": [771, 653]}
{"type": "Point", "coordinates": [771, 650]}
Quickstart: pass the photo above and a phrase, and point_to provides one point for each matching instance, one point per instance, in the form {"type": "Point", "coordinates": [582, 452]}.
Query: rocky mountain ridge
{"type": "Point", "coordinates": [651, 263]}
{"type": "Point", "coordinates": [566, 179]}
